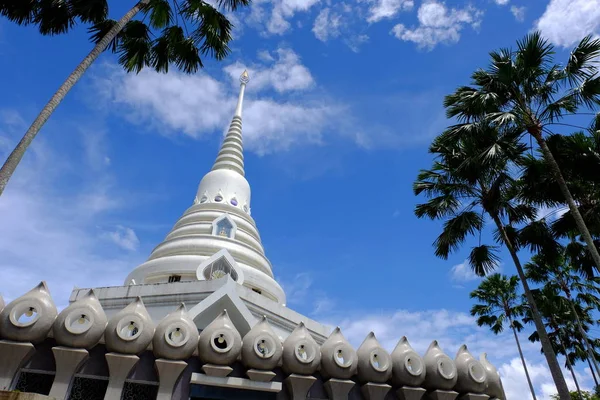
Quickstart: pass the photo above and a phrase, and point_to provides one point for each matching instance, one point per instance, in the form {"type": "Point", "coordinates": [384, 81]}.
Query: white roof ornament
{"type": "Point", "coordinates": [29, 318]}
{"type": "Point", "coordinates": [131, 330]}
{"type": "Point", "coordinates": [471, 375]}
{"type": "Point", "coordinates": [176, 336]}
{"type": "Point", "coordinates": [440, 370]}
{"type": "Point", "coordinates": [231, 155]}
{"type": "Point", "coordinates": [408, 367]}
{"type": "Point", "coordinates": [81, 324]}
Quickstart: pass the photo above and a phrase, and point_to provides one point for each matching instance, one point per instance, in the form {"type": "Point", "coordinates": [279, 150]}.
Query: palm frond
{"type": "Point", "coordinates": [455, 232]}
{"type": "Point", "coordinates": [581, 64]}
{"type": "Point", "coordinates": [21, 12]}
{"type": "Point", "coordinates": [134, 46]}
{"type": "Point", "coordinates": [484, 259]}
{"type": "Point", "coordinates": [99, 30]}
{"type": "Point", "coordinates": [161, 15]}
{"type": "Point", "coordinates": [54, 17]}
{"type": "Point", "coordinates": [92, 11]}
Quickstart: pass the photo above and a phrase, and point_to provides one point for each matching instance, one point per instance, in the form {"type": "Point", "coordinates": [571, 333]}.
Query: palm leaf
{"type": "Point", "coordinates": [54, 17]}
{"type": "Point", "coordinates": [93, 11]}
{"type": "Point", "coordinates": [484, 259]}
{"type": "Point", "coordinates": [455, 232]}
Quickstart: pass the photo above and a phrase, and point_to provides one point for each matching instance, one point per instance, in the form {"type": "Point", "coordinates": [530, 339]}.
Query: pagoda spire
{"type": "Point", "coordinates": [231, 154]}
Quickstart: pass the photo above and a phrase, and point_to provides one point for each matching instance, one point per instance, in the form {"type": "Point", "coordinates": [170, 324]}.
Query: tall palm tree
{"type": "Point", "coordinates": [470, 178]}
{"type": "Point", "coordinates": [135, 42]}
{"type": "Point", "coordinates": [578, 156]}
{"type": "Point", "coordinates": [524, 89]}
{"type": "Point", "coordinates": [499, 304]}
{"type": "Point", "coordinates": [559, 275]}
{"type": "Point", "coordinates": [566, 338]}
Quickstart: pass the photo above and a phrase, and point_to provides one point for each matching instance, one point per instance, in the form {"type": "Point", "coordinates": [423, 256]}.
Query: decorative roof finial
{"type": "Point", "coordinates": [245, 78]}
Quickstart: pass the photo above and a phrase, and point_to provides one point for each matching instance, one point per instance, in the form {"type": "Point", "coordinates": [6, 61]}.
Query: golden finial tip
{"type": "Point", "coordinates": [245, 77]}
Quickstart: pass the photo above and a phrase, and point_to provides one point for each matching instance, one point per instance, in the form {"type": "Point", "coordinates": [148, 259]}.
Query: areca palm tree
{"type": "Point", "coordinates": [499, 304]}
{"type": "Point", "coordinates": [557, 274]}
{"type": "Point", "coordinates": [526, 90]}
{"type": "Point", "coordinates": [470, 179]}
{"type": "Point", "coordinates": [179, 32]}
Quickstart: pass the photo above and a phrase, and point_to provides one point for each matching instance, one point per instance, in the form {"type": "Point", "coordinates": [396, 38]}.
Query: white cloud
{"type": "Point", "coordinates": [283, 10]}
{"type": "Point", "coordinates": [285, 72]}
{"type": "Point", "coordinates": [518, 13]}
{"type": "Point", "coordinates": [199, 105]}
{"type": "Point", "coordinates": [49, 230]}
{"type": "Point", "coordinates": [123, 237]}
{"type": "Point", "coordinates": [438, 24]}
{"type": "Point", "coordinates": [515, 382]}
{"type": "Point", "coordinates": [463, 273]}
{"type": "Point", "coordinates": [382, 9]}
{"type": "Point", "coordinates": [502, 2]}
{"type": "Point", "coordinates": [566, 22]}
{"type": "Point", "coordinates": [327, 25]}
{"type": "Point", "coordinates": [354, 42]}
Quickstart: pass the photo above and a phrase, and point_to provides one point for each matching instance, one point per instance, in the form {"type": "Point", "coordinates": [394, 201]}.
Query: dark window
{"type": "Point", "coordinates": [35, 382]}
{"type": "Point", "coordinates": [257, 290]}
{"type": "Point", "coordinates": [139, 391]}
{"type": "Point", "coordinates": [174, 278]}
{"type": "Point", "coordinates": [199, 392]}
{"type": "Point", "coordinates": [84, 388]}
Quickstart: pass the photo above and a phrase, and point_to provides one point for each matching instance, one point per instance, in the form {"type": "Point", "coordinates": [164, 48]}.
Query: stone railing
{"type": "Point", "coordinates": [218, 357]}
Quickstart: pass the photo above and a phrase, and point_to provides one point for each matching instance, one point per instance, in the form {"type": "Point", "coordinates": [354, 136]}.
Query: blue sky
{"type": "Point", "coordinates": [343, 100]}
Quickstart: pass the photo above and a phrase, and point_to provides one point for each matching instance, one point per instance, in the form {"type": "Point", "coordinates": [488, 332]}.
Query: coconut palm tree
{"type": "Point", "coordinates": [470, 179]}
{"type": "Point", "coordinates": [178, 32]}
{"type": "Point", "coordinates": [498, 305]}
{"type": "Point", "coordinates": [557, 274]}
{"type": "Point", "coordinates": [526, 90]}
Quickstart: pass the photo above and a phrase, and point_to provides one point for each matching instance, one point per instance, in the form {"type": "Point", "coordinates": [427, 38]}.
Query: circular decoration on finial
{"type": "Point", "coordinates": [339, 360]}
{"type": "Point", "coordinates": [245, 77]}
{"type": "Point", "coordinates": [233, 202]}
{"type": "Point", "coordinates": [408, 368]}
{"type": "Point", "coordinates": [374, 363]}
{"type": "Point", "coordinates": [81, 324]}
{"type": "Point", "coordinates": [470, 373]}
{"type": "Point", "coordinates": [129, 331]}
{"type": "Point", "coordinates": [220, 343]}
{"type": "Point", "coordinates": [29, 318]}
{"type": "Point", "coordinates": [440, 369]}
{"type": "Point", "coordinates": [261, 347]}
{"type": "Point", "coordinates": [301, 353]}
{"type": "Point", "coordinates": [176, 336]}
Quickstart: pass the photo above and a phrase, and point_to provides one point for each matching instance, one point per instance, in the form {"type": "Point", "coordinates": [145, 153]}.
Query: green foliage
{"type": "Point", "coordinates": [576, 396]}
{"type": "Point", "coordinates": [177, 32]}
{"type": "Point", "coordinates": [499, 303]}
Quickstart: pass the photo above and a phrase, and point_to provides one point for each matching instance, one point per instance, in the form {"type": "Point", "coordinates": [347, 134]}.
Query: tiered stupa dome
{"type": "Point", "coordinates": [216, 236]}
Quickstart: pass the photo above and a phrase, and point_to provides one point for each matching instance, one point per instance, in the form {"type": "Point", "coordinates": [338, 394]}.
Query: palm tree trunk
{"type": "Point", "coordinates": [551, 161]}
{"type": "Point", "coordinates": [586, 342]}
{"type": "Point", "coordinates": [569, 365]}
{"type": "Point", "coordinates": [11, 163]}
{"type": "Point", "coordinates": [553, 365]}
{"type": "Point", "coordinates": [593, 373]}
{"type": "Point", "coordinates": [523, 361]}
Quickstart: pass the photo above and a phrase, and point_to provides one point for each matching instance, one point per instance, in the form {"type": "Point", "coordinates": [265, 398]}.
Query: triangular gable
{"type": "Point", "coordinates": [225, 298]}
{"type": "Point", "coordinates": [227, 258]}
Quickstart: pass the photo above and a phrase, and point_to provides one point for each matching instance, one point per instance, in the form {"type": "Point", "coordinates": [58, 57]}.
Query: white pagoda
{"type": "Point", "coordinates": [204, 318]}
